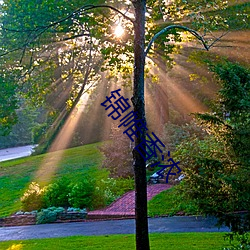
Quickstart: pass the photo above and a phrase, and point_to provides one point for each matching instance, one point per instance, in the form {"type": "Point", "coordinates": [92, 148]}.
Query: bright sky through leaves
{"type": "Point", "coordinates": [119, 31]}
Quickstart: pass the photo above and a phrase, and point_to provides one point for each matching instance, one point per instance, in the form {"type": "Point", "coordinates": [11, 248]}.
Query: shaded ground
{"type": "Point", "coordinates": [159, 225]}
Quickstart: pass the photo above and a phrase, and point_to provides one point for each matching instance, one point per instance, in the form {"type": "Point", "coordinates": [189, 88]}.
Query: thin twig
{"type": "Point", "coordinates": [217, 39]}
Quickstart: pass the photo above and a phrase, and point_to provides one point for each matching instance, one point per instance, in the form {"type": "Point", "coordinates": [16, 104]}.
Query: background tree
{"type": "Point", "coordinates": [118, 156]}
{"type": "Point", "coordinates": [217, 166]}
{"type": "Point", "coordinates": [8, 105]}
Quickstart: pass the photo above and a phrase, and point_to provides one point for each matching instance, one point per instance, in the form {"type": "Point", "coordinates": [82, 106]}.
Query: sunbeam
{"type": "Point", "coordinates": [51, 161]}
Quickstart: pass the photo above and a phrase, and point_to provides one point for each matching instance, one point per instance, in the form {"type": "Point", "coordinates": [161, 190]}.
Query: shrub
{"type": "Point", "coordinates": [123, 185]}
{"type": "Point", "coordinates": [243, 242]}
{"type": "Point", "coordinates": [81, 194]}
{"type": "Point", "coordinates": [33, 197]}
{"type": "Point", "coordinates": [118, 155]}
{"type": "Point", "coordinates": [109, 189]}
{"type": "Point", "coordinates": [56, 194]}
{"type": "Point", "coordinates": [48, 215]}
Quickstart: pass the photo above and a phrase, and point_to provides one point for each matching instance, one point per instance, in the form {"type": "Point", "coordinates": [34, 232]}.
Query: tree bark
{"type": "Point", "coordinates": [142, 239]}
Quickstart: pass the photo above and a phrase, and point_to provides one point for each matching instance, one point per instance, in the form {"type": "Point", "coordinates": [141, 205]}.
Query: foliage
{"type": "Point", "coordinates": [118, 155]}
{"type": "Point", "coordinates": [56, 194]}
{"type": "Point", "coordinates": [108, 190]}
{"type": "Point", "coordinates": [174, 134]}
{"type": "Point", "coordinates": [48, 215]}
{"type": "Point", "coordinates": [103, 193]}
{"type": "Point", "coordinates": [242, 239]}
{"type": "Point", "coordinates": [8, 105]}
{"type": "Point", "coordinates": [81, 194]}
{"type": "Point", "coordinates": [33, 197]}
{"type": "Point", "coordinates": [22, 132]}
{"type": "Point", "coordinates": [54, 51]}
{"type": "Point", "coordinates": [16, 175]}
{"type": "Point", "coordinates": [216, 167]}
{"type": "Point", "coordinates": [73, 209]}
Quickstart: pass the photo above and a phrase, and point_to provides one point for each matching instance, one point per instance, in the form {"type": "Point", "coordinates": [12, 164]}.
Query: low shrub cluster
{"type": "Point", "coordinates": [51, 214]}
{"type": "Point", "coordinates": [48, 215]}
{"type": "Point", "coordinates": [242, 241]}
{"type": "Point", "coordinates": [88, 193]}
{"type": "Point", "coordinates": [61, 193]}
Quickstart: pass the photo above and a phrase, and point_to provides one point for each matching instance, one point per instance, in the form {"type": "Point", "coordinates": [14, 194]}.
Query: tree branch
{"type": "Point", "coordinates": [42, 29]}
{"type": "Point", "coordinates": [74, 13]}
{"type": "Point", "coordinates": [193, 32]}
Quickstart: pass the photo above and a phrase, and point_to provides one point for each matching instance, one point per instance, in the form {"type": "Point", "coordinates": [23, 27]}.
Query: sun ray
{"type": "Point", "coordinates": [51, 161]}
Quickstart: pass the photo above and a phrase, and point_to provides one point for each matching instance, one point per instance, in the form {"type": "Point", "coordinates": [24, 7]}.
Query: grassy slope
{"type": "Point", "coordinates": [169, 202]}
{"type": "Point", "coordinates": [170, 241]}
{"type": "Point", "coordinates": [16, 175]}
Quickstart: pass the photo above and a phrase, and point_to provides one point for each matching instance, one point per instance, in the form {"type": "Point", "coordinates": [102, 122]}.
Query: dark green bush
{"type": "Point", "coordinates": [81, 194]}
{"type": "Point", "coordinates": [242, 241]}
{"type": "Point", "coordinates": [216, 167]}
{"type": "Point", "coordinates": [57, 193]}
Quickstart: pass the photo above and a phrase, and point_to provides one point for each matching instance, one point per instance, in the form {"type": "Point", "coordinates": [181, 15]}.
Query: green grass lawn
{"type": "Point", "coordinates": [169, 202]}
{"type": "Point", "coordinates": [16, 175]}
{"type": "Point", "coordinates": [170, 241]}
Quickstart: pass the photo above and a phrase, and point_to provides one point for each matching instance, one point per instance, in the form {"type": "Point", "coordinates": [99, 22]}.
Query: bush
{"type": "Point", "coordinates": [48, 215]}
{"type": "Point", "coordinates": [81, 194]}
{"type": "Point", "coordinates": [57, 193]}
{"type": "Point", "coordinates": [109, 189]}
{"type": "Point", "coordinates": [243, 242]}
{"type": "Point", "coordinates": [123, 185]}
{"type": "Point", "coordinates": [33, 198]}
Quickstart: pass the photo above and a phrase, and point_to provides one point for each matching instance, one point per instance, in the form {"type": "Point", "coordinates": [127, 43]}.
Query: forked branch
{"type": "Point", "coordinates": [193, 32]}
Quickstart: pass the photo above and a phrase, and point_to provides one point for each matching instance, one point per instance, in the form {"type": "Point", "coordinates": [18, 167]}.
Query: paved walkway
{"type": "Point", "coordinates": [125, 205]}
{"type": "Point", "coordinates": [156, 225]}
{"type": "Point", "coordinates": [17, 152]}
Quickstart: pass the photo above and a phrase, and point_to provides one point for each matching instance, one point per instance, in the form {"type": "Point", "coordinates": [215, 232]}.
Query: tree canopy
{"type": "Point", "coordinates": [50, 43]}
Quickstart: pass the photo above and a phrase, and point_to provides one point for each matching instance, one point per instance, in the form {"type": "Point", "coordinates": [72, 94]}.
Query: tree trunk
{"type": "Point", "coordinates": [142, 240]}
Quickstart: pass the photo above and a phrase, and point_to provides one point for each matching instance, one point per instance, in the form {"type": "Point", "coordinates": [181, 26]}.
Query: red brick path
{"type": "Point", "coordinates": [125, 205]}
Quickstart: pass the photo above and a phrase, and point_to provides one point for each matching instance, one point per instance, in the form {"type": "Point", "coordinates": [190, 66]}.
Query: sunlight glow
{"type": "Point", "coordinates": [52, 160]}
{"type": "Point", "coordinates": [119, 31]}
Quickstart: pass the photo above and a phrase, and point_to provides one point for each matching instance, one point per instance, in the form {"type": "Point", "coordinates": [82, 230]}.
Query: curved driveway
{"type": "Point", "coordinates": [156, 225]}
{"type": "Point", "coordinates": [17, 152]}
